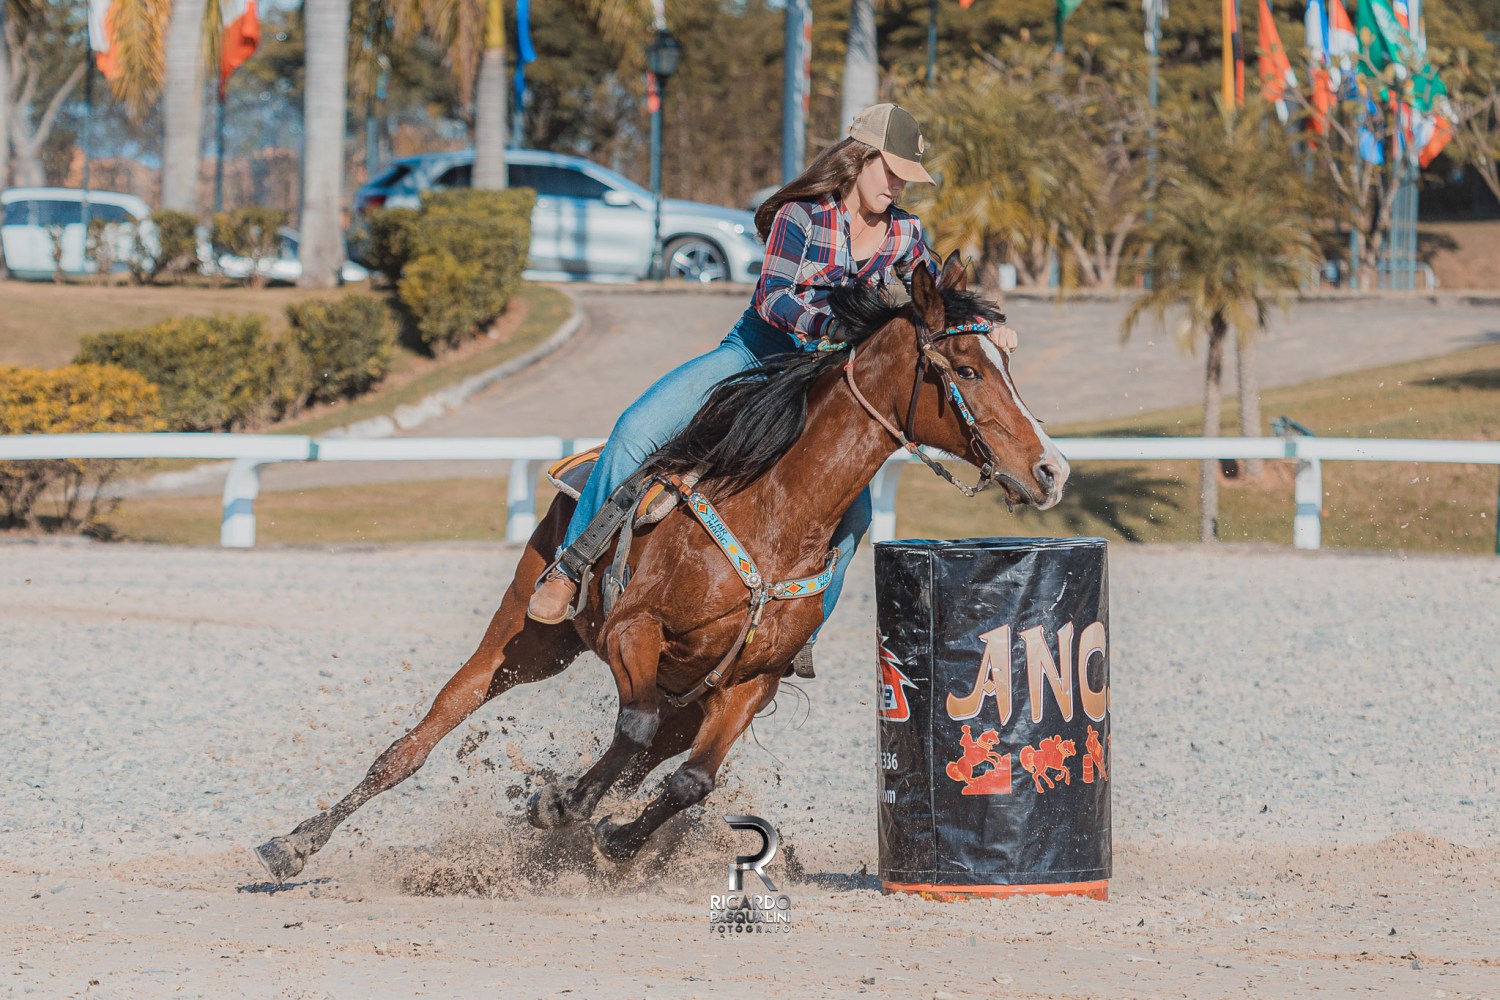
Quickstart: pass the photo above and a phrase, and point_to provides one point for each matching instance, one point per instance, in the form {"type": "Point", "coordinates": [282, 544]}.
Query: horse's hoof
{"type": "Point", "coordinates": [613, 842]}
{"type": "Point", "coordinates": [547, 809]}
{"type": "Point", "coordinates": [280, 859]}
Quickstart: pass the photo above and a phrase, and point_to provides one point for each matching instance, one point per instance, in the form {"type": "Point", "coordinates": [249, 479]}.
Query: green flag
{"type": "Point", "coordinates": [1065, 9]}
{"type": "Point", "coordinates": [1382, 40]}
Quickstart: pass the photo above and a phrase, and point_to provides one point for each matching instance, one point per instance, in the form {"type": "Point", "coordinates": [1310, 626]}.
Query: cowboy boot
{"type": "Point", "coordinates": [553, 600]}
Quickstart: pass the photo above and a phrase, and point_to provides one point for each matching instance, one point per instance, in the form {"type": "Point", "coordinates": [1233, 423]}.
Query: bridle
{"type": "Point", "coordinates": [927, 354]}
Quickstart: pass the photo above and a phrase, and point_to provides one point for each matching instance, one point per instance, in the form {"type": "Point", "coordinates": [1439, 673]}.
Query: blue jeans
{"type": "Point", "coordinates": [671, 403]}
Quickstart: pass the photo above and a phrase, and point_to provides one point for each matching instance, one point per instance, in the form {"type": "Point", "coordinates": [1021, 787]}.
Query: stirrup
{"type": "Point", "coordinates": [802, 664]}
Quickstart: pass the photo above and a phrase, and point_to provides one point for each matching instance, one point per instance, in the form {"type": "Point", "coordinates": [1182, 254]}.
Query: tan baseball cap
{"type": "Point", "coordinates": [892, 130]}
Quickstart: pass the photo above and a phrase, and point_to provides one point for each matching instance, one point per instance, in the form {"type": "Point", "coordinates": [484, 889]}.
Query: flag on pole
{"type": "Point", "coordinates": [1343, 44]}
{"type": "Point", "coordinates": [1233, 82]}
{"type": "Point", "coordinates": [966, 4]}
{"type": "Point", "coordinates": [101, 30]}
{"type": "Point", "coordinates": [1065, 9]}
{"type": "Point", "coordinates": [241, 37]}
{"type": "Point", "coordinates": [1275, 68]}
{"type": "Point", "coordinates": [1319, 63]}
{"type": "Point", "coordinates": [525, 50]}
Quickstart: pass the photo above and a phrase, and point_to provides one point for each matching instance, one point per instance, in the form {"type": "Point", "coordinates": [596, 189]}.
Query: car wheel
{"type": "Point", "coordinates": [693, 258]}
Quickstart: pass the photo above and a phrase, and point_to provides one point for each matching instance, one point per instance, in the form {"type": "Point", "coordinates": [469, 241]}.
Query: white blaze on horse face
{"type": "Point", "coordinates": [1050, 454]}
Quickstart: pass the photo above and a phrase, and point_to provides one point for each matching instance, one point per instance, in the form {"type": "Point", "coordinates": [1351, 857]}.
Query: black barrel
{"type": "Point", "coordinates": [993, 703]}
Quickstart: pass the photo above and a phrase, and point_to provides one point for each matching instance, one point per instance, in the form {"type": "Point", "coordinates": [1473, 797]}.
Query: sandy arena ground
{"type": "Point", "coordinates": [1305, 794]}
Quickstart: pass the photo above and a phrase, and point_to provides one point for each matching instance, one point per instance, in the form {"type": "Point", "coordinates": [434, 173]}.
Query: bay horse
{"type": "Point", "coordinates": [783, 450]}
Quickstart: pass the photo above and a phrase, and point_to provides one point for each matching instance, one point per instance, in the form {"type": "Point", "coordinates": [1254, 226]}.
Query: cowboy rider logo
{"type": "Point", "coordinates": [1093, 758]}
{"type": "Point", "coordinates": [893, 704]}
{"type": "Point", "coordinates": [977, 753]}
{"type": "Point", "coordinates": [1049, 755]}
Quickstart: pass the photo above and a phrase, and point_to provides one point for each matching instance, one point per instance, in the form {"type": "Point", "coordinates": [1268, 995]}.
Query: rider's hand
{"type": "Point", "coordinates": [1004, 338]}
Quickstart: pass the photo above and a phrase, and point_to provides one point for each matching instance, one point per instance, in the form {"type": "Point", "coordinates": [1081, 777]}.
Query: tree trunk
{"type": "Point", "coordinates": [322, 253]}
{"type": "Point", "coordinates": [4, 105]}
{"type": "Point", "coordinates": [861, 68]}
{"type": "Point", "coordinates": [182, 107]}
{"type": "Point", "coordinates": [491, 97]}
{"type": "Point", "coordinates": [1213, 395]}
{"type": "Point", "coordinates": [1248, 373]}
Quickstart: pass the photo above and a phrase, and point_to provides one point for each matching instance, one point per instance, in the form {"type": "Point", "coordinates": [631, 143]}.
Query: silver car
{"type": "Point", "coordinates": [589, 224]}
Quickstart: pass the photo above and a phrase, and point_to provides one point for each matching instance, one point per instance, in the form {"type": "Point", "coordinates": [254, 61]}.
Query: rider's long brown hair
{"type": "Point", "coordinates": [833, 172]}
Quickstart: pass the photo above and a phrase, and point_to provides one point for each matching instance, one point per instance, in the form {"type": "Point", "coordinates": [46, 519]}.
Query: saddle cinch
{"type": "Point", "coordinates": [647, 499]}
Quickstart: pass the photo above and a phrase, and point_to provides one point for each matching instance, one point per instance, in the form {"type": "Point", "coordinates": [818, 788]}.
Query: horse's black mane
{"type": "Point", "coordinates": [750, 420]}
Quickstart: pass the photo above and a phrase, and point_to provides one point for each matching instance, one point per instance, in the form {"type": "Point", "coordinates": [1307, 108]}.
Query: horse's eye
{"type": "Point", "coordinates": [965, 372]}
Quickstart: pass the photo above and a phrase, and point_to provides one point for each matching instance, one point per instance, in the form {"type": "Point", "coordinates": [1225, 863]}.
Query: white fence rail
{"type": "Point", "coordinates": [251, 452]}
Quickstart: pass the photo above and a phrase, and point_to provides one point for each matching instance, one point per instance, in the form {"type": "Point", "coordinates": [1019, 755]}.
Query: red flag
{"type": "Point", "coordinates": [241, 36]}
{"type": "Point", "coordinates": [1275, 68]}
{"type": "Point", "coordinates": [966, 4]}
{"type": "Point", "coordinates": [1322, 99]}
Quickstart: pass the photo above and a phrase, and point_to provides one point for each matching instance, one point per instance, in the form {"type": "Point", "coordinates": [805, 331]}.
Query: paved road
{"type": "Point", "coordinates": [1071, 365]}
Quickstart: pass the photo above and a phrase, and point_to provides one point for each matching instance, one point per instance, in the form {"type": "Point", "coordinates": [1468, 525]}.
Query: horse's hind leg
{"type": "Point", "coordinates": [515, 650]}
{"type": "Point", "coordinates": [728, 714]}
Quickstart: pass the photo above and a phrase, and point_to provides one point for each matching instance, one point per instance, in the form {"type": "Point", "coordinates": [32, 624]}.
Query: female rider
{"type": "Point", "coordinates": [836, 224]}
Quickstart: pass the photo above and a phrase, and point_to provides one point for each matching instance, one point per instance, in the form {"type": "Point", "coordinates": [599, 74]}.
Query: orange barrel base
{"type": "Point", "coordinates": [953, 893]}
{"type": "Point", "coordinates": [993, 711]}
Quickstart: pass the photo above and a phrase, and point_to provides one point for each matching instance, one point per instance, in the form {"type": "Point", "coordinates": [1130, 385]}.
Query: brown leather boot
{"type": "Point", "coordinates": [553, 599]}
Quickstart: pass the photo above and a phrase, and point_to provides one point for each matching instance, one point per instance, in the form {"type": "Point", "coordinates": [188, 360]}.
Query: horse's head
{"type": "Point", "coordinates": [962, 397]}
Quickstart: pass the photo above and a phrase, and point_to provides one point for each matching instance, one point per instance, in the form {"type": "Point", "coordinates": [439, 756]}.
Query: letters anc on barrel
{"type": "Point", "coordinates": [992, 696]}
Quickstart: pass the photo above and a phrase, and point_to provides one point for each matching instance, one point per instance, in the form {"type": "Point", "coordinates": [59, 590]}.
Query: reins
{"type": "Point", "coordinates": [928, 354]}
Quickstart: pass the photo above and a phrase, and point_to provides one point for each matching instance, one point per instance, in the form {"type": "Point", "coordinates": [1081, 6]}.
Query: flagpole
{"type": "Point", "coordinates": [932, 13]}
{"type": "Point", "coordinates": [219, 159]}
{"type": "Point", "coordinates": [1226, 79]}
{"type": "Point", "coordinates": [88, 151]}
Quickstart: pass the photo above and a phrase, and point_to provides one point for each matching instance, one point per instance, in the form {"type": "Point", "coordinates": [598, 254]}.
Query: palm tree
{"type": "Point", "coordinates": [1246, 150]}
{"type": "Point", "coordinates": [1220, 262]}
{"type": "Point", "coordinates": [861, 65]}
{"type": "Point", "coordinates": [472, 33]}
{"type": "Point", "coordinates": [182, 106]}
{"type": "Point", "coordinates": [999, 199]}
{"type": "Point", "coordinates": [324, 101]}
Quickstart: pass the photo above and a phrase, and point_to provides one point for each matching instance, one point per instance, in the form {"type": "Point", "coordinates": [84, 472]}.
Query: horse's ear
{"type": "Point", "coordinates": [955, 276]}
{"type": "Point", "coordinates": [926, 297]}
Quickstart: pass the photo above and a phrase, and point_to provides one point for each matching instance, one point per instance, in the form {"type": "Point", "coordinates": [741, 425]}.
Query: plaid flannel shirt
{"type": "Point", "coordinates": [807, 253]}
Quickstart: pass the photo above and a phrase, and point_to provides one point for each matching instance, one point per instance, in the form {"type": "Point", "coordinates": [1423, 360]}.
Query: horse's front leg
{"type": "Point", "coordinates": [632, 652]}
{"type": "Point", "coordinates": [728, 712]}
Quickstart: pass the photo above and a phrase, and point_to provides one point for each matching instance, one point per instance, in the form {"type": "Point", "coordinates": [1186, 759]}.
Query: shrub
{"type": "Point", "coordinates": [77, 399]}
{"type": "Point", "coordinates": [250, 233]}
{"type": "Point", "coordinates": [175, 250]}
{"type": "Point", "coordinates": [215, 373]}
{"type": "Point", "coordinates": [460, 261]}
{"type": "Point", "coordinates": [101, 246]}
{"type": "Point", "coordinates": [390, 238]}
{"type": "Point", "coordinates": [345, 345]}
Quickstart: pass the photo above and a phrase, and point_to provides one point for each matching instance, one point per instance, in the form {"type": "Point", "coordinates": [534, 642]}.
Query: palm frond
{"type": "Point", "coordinates": [138, 31]}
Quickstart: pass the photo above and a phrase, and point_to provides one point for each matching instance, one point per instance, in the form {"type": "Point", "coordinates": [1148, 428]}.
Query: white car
{"type": "Point", "coordinates": [30, 217]}
{"type": "Point", "coordinates": [284, 266]}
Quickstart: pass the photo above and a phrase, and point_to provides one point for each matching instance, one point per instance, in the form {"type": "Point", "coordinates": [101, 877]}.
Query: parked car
{"type": "Point", "coordinates": [589, 224]}
{"type": "Point", "coordinates": [30, 217]}
{"type": "Point", "coordinates": [285, 266]}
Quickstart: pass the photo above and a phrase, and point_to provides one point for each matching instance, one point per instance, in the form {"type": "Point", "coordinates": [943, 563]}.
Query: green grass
{"type": "Point", "coordinates": [428, 511]}
{"type": "Point", "coordinates": [42, 323]}
{"type": "Point", "coordinates": [1369, 505]}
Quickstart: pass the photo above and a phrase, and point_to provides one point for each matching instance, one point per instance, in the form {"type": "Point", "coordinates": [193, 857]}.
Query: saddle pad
{"type": "Point", "coordinates": [571, 474]}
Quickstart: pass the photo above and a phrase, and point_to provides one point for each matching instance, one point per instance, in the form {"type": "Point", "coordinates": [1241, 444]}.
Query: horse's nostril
{"type": "Point", "coordinates": [1046, 474]}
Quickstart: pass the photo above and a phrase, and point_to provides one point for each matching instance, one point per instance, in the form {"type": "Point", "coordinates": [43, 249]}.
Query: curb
{"type": "Point", "coordinates": [406, 416]}
{"type": "Point", "coordinates": [412, 415]}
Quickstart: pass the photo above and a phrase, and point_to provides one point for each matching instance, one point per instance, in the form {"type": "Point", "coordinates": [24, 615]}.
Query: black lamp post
{"type": "Point", "coordinates": [662, 56]}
